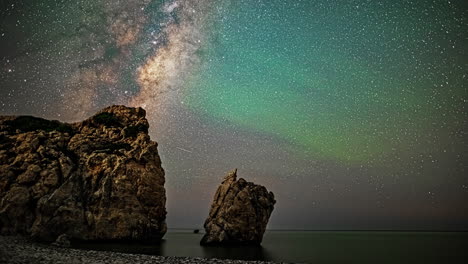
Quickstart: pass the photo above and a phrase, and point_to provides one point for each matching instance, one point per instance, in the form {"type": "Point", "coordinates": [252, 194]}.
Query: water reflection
{"type": "Point", "coordinates": [181, 244]}
{"type": "Point", "coordinates": [312, 247]}
{"type": "Point", "coordinates": [123, 247]}
{"type": "Point", "coordinates": [236, 252]}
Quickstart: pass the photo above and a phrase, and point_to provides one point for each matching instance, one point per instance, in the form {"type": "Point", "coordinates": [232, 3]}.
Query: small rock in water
{"type": "Point", "coordinates": [239, 213]}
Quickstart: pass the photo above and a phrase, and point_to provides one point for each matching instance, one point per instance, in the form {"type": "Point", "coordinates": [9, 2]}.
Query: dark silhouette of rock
{"type": "Point", "coordinates": [239, 213]}
{"type": "Point", "coordinates": [100, 179]}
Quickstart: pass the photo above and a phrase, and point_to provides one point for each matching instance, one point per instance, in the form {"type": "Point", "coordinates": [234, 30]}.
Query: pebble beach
{"type": "Point", "coordinates": [15, 249]}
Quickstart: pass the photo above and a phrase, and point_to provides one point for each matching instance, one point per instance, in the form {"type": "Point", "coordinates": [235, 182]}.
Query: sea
{"type": "Point", "coordinates": [313, 247]}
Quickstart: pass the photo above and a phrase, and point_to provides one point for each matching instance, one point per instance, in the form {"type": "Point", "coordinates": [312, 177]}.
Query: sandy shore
{"type": "Point", "coordinates": [14, 249]}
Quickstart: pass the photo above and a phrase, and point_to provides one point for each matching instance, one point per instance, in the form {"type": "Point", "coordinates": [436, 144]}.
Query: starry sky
{"type": "Point", "coordinates": [354, 113]}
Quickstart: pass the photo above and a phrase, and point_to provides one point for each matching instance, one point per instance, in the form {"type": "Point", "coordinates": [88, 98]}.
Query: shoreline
{"type": "Point", "coordinates": [17, 249]}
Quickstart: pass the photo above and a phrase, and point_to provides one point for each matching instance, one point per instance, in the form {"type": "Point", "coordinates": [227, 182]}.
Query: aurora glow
{"type": "Point", "coordinates": [346, 81]}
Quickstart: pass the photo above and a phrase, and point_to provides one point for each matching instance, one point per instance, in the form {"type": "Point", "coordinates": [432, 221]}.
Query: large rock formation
{"type": "Point", "coordinates": [239, 213]}
{"type": "Point", "coordinates": [100, 179]}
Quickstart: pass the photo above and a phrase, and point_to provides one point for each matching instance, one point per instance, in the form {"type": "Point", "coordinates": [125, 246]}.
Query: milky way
{"type": "Point", "coordinates": [107, 52]}
{"type": "Point", "coordinates": [353, 113]}
{"type": "Point", "coordinates": [176, 57]}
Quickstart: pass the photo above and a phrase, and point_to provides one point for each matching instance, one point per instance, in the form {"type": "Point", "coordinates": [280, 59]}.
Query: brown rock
{"type": "Point", "coordinates": [239, 213]}
{"type": "Point", "coordinates": [29, 175]}
{"type": "Point", "coordinates": [100, 179]}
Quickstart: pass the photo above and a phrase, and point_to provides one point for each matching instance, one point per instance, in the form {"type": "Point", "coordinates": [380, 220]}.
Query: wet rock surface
{"type": "Point", "coordinates": [100, 179]}
{"type": "Point", "coordinates": [239, 213]}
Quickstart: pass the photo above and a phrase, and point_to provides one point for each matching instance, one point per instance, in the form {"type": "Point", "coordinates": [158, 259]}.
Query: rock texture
{"type": "Point", "coordinates": [239, 213]}
{"type": "Point", "coordinates": [100, 179]}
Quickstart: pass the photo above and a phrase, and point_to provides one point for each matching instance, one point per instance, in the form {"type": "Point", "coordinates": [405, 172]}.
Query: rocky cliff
{"type": "Point", "coordinates": [100, 179]}
{"type": "Point", "coordinates": [239, 213]}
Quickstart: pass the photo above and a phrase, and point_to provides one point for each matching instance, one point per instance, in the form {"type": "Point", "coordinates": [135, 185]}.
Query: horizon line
{"type": "Point", "coordinates": [345, 230]}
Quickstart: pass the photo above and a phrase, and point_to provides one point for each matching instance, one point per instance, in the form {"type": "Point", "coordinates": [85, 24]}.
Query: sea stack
{"type": "Point", "coordinates": [239, 213]}
{"type": "Point", "coordinates": [100, 179]}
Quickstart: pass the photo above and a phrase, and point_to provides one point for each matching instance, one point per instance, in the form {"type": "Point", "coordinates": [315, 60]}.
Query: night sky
{"type": "Point", "coordinates": [354, 113]}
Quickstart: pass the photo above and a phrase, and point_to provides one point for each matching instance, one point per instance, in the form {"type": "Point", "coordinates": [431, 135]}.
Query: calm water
{"type": "Point", "coordinates": [316, 247]}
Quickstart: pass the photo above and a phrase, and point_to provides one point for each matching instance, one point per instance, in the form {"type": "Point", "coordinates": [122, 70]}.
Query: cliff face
{"type": "Point", "coordinates": [100, 179]}
{"type": "Point", "coordinates": [239, 213]}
